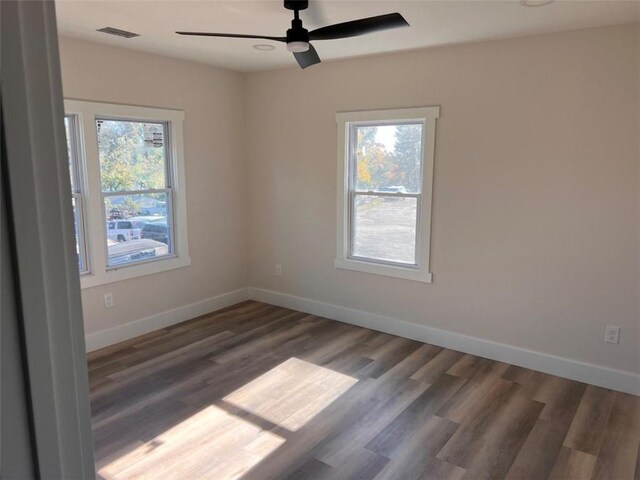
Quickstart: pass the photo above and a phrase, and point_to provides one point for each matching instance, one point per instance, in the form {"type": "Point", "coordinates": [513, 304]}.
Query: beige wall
{"type": "Point", "coordinates": [536, 216]}
{"type": "Point", "coordinates": [535, 238]}
{"type": "Point", "coordinates": [213, 102]}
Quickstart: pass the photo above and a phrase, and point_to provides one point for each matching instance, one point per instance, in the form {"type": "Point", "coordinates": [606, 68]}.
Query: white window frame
{"type": "Point", "coordinates": [86, 114]}
{"type": "Point", "coordinates": [346, 193]}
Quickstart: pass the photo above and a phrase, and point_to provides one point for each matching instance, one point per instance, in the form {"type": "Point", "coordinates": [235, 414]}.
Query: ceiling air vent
{"type": "Point", "coordinates": [117, 32]}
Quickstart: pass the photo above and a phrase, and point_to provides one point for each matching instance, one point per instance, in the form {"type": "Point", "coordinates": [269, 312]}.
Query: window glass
{"type": "Point", "coordinates": [385, 161]}
{"type": "Point", "coordinates": [76, 225]}
{"type": "Point", "coordinates": [384, 228]}
{"type": "Point", "coordinates": [388, 157]}
{"type": "Point", "coordinates": [132, 155]}
{"type": "Point", "coordinates": [68, 128]}
{"type": "Point", "coordinates": [136, 190]}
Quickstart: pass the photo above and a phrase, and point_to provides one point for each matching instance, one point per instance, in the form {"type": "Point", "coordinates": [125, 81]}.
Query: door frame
{"type": "Point", "coordinates": [42, 239]}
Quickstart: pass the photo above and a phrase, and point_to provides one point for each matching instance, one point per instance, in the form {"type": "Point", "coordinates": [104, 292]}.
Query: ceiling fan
{"type": "Point", "coordinates": [298, 37]}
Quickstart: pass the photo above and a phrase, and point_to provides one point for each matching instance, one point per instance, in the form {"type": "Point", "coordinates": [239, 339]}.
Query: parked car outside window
{"type": "Point", "coordinates": [122, 231]}
{"type": "Point", "coordinates": [158, 231]}
{"type": "Point", "coordinates": [141, 221]}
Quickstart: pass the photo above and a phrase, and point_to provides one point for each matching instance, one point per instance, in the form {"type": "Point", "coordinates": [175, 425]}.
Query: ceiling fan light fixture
{"type": "Point", "coordinates": [536, 3]}
{"type": "Point", "coordinates": [263, 47]}
{"type": "Point", "coordinates": [297, 46]}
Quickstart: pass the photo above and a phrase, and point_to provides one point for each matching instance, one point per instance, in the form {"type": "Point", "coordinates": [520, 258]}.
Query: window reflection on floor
{"type": "Point", "coordinates": [292, 393]}
{"type": "Point", "coordinates": [212, 441]}
{"type": "Point", "coordinates": [216, 443]}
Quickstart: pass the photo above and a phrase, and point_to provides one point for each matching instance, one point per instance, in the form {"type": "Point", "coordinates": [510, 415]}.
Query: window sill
{"type": "Point", "coordinates": [133, 271]}
{"type": "Point", "coordinates": [385, 270]}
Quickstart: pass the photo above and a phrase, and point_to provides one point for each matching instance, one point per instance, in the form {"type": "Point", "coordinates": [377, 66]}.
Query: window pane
{"type": "Point", "coordinates": [68, 127]}
{"type": "Point", "coordinates": [137, 228]}
{"type": "Point", "coordinates": [76, 224]}
{"type": "Point", "coordinates": [385, 228]}
{"type": "Point", "coordinates": [132, 155]}
{"type": "Point", "coordinates": [388, 158]}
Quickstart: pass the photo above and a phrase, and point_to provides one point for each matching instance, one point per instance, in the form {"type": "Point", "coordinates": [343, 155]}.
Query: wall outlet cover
{"type": "Point", "coordinates": [612, 334]}
{"type": "Point", "coordinates": [108, 300]}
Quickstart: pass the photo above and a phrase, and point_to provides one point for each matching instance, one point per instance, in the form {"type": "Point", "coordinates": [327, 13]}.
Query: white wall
{"type": "Point", "coordinates": [536, 219]}
{"type": "Point", "coordinates": [213, 102]}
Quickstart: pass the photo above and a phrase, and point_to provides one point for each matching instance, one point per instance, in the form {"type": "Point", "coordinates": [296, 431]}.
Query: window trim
{"type": "Point", "coordinates": [87, 113]}
{"type": "Point", "coordinates": [345, 121]}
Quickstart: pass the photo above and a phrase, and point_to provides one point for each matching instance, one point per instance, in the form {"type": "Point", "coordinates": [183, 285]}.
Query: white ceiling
{"type": "Point", "coordinates": [432, 23]}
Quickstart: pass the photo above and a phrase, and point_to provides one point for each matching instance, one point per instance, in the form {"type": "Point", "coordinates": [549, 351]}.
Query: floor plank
{"type": "Point", "coordinates": [409, 423]}
{"type": "Point", "coordinates": [618, 453]}
{"type": "Point", "coordinates": [573, 465]}
{"type": "Point", "coordinates": [487, 445]}
{"type": "Point", "coordinates": [539, 452]}
{"type": "Point", "coordinates": [442, 362]}
{"type": "Point", "coordinates": [590, 421]}
{"type": "Point", "coordinates": [414, 456]}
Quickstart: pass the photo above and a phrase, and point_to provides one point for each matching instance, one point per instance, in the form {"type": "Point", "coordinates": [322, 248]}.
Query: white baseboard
{"type": "Point", "coordinates": [160, 320]}
{"type": "Point", "coordinates": [563, 367]}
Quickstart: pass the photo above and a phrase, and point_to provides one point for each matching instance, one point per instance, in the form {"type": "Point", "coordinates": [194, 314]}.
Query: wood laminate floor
{"type": "Point", "coordinates": [260, 392]}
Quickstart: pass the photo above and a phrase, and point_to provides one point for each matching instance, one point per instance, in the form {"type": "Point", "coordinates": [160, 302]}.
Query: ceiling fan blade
{"type": "Point", "coordinates": [359, 27]}
{"type": "Point", "coordinates": [233, 35]}
{"type": "Point", "coordinates": [308, 58]}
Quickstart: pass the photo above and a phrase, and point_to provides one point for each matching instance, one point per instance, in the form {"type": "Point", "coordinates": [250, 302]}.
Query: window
{"type": "Point", "coordinates": [385, 169]}
{"type": "Point", "coordinates": [73, 153]}
{"type": "Point", "coordinates": [134, 215]}
{"type": "Point", "coordinates": [136, 188]}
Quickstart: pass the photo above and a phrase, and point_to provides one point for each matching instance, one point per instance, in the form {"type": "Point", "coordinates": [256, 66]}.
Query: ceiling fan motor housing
{"type": "Point", "coordinates": [296, 4]}
{"type": "Point", "coordinates": [297, 33]}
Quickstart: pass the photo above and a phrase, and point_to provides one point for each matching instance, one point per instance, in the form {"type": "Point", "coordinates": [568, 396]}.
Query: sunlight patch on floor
{"type": "Point", "coordinates": [215, 443]}
{"type": "Point", "coordinates": [210, 444]}
{"type": "Point", "coordinates": [292, 393]}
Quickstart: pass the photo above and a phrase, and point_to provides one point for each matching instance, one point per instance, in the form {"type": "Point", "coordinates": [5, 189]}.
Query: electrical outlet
{"type": "Point", "coordinates": [612, 334]}
{"type": "Point", "coordinates": [108, 300]}
{"type": "Point", "coordinates": [278, 270]}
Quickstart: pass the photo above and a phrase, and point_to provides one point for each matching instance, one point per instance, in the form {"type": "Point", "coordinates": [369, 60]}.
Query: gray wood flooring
{"type": "Point", "coordinates": [261, 392]}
